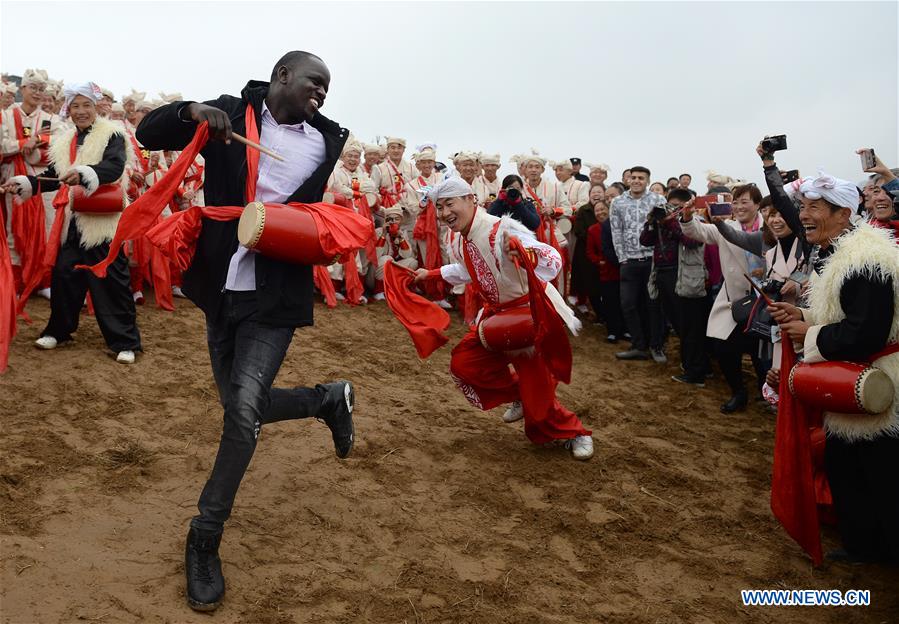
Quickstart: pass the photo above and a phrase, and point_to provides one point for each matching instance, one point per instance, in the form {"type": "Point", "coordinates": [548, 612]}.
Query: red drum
{"type": "Point", "coordinates": [509, 330]}
{"type": "Point", "coordinates": [281, 232]}
{"type": "Point", "coordinates": [842, 387]}
{"type": "Point", "coordinates": [108, 198]}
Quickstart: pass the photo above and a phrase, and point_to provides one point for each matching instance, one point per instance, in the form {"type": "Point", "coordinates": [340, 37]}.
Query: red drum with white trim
{"type": "Point", "coordinates": [508, 330]}
{"type": "Point", "coordinates": [281, 232]}
{"type": "Point", "coordinates": [108, 198]}
{"type": "Point", "coordinates": [842, 387]}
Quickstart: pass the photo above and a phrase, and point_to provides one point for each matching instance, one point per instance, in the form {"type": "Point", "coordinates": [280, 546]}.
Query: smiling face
{"type": "Point", "coordinates": [563, 173]}
{"type": "Point", "coordinates": [304, 86]}
{"type": "Point", "coordinates": [879, 204]}
{"type": "Point", "coordinates": [601, 212]}
{"type": "Point", "coordinates": [637, 182]}
{"type": "Point", "coordinates": [350, 159]}
{"type": "Point", "coordinates": [533, 172]}
{"type": "Point", "coordinates": [822, 221]}
{"type": "Point", "coordinates": [425, 167]}
{"type": "Point", "coordinates": [611, 193]}
{"type": "Point", "coordinates": [83, 112]}
{"type": "Point", "coordinates": [745, 210]}
{"type": "Point", "coordinates": [33, 94]}
{"type": "Point", "coordinates": [490, 171]}
{"type": "Point", "coordinates": [456, 212]}
{"type": "Point", "coordinates": [468, 169]}
{"type": "Point", "coordinates": [6, 100]}
{"type": "Point", "coordinates": [598, 176]}
{"type": "Point", "coordinates": [104, 106]}
{"type": "Point", "coordinates": [658, 187]}
{"type": "Point", "coordinates": [776, 223]}
{"type": "Point", "coordinates": [597, 195]}
{"type": "Point", "coordinates": [395, 152]}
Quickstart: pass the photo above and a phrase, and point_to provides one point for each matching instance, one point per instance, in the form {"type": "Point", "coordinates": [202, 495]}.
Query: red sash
{"type": "Point", "coordinates": [51, 248]}
{"type": "Point", "coordinates": [27, 223]}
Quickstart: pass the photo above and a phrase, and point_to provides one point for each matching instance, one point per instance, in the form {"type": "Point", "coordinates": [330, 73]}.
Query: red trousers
{"type": "Point", "coordinates": [485, 379]}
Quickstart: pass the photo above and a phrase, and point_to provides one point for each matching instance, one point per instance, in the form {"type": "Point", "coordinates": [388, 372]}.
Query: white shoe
{"type": "Point", "coordinates": [138, 297]}
{"type": "Point", "coordinates": [446, 305]}
{"type": "Point", "coordinates": [581, 447]}
{"type": "Point", "coordinates": [45, 293]}
{"type": "Point", "coordinates": [176, 290]}
{"type": "Point", "coordinates": [379, 296]}
{"type": "Point", "coordinates": [46, 343]}
{"type": "Point", "coordinates": [515, 412]}
{"type": "Point", "coordinates": [125, 357]}
{"type": "Point", "coordinates": [363, 300]}
{"type": "Point", "coordinates": [339, 297]}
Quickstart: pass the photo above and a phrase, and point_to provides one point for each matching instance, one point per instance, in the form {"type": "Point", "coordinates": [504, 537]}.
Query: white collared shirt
{"type": "Point", "coordinates": [303, 149]}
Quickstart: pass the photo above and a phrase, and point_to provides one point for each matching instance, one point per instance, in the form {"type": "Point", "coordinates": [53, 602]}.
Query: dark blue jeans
{"type": "Point", "coordinates": [246, 356]}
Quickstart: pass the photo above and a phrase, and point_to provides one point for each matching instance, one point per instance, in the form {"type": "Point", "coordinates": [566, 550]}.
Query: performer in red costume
{"type": "Point", "coordinates": [488, 256]}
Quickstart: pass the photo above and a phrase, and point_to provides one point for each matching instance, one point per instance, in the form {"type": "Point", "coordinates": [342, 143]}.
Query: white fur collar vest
{"type": "Point", "coordinates": [870, 252]}
{"type": "Point", "coordinates": [95, 229]}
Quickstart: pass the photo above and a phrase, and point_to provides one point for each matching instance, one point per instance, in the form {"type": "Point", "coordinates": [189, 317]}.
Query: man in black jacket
{"type": "Point", "coordinates": [252, 303]}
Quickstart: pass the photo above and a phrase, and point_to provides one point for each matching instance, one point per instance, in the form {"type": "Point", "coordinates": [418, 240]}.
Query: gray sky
{"type": "Point", "coordinates": [676, 86]}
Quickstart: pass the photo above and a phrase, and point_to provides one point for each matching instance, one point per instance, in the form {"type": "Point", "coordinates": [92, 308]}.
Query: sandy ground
{"type": "Point", "coordinates": [442, 514]}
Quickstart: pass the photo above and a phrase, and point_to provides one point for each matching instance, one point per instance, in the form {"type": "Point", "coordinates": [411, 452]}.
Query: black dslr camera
{"type": "Point", "coordinates": [774, 144]}
{"type": "Point", "coordinates": [513, 195]}
{"type": "Point", "coordinates": [658, 213]}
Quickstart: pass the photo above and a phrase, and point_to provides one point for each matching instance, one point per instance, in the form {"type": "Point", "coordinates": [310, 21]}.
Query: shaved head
{"type": "Point", "coordinates": [294, 59]}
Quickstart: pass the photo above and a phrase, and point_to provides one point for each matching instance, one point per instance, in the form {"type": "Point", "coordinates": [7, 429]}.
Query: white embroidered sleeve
{"type": "Point", "coordinates": [455, 274]}
{"type": "Point", "coordinates": [549, 262]}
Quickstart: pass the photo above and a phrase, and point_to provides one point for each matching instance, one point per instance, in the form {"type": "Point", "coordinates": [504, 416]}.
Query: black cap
{"type": "Point", "coordinates": [575, 161]}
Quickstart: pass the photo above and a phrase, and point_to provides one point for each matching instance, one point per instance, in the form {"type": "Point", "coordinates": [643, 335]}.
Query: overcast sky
{"type": "Point", "coordinates": [676, 86]}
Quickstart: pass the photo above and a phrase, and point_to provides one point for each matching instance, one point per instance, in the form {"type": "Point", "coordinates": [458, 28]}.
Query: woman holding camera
{"type": "Point", "coordinates": [735, 264]}
{"type": "Point", "coordinates": [511, 202]}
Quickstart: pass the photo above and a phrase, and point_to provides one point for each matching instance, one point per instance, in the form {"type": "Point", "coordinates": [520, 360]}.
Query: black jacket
{"type": "Point", "coordinates": [283, 290]}
{"type": "Point", "coordinates": [524, 212]}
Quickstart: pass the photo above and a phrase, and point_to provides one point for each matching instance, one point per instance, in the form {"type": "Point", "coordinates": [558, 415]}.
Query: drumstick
{"type": "Point", "coordinates": [43, 179]}
{"type": "Point", "coordinates": [261, 148]}
{"type": "Point", "coordinates": [758, 290]}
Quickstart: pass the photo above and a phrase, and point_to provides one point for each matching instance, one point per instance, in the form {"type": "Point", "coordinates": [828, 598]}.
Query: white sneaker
{"type": "Point", "coordinates": [363, 300]}
{"type": "Point", "coordinates": [46, 342]}
{"type": "Point", "coordinates": [125, 357]}
{"type": "Point", "coordinates": [515, 412]}
{"type": "Point", "coordinates": [176, 290]}
{"type": "Point", "coordinates": [339, 297]}
{"type": "Point", "coordinates": [446, 305]}
{"type": "Point", "coordinates": [138, 297]}
{"type": "Point", "coordinates": [581, 447]}
{"type": "Point", "coordinates": [45, 293]}
{"type": "Point", "coordinates": [379, 296]}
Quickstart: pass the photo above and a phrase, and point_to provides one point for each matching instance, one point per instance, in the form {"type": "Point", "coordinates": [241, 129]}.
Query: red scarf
{"type": "Point", "coordinates": [341, 230]}
{"type": "Point", "coordinates": [28, 222]}
{"type": "Point", "coordinates": [793, 499]}
{"type": "Point", "coordinates": [51, 248]}
{"type": "Point", "coordinates": [7, 305]}
{"type": "Point", "coordinates": [424, 320]}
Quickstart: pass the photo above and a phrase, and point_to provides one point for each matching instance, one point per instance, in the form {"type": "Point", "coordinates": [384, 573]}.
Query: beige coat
{"type": "Point", "coordinates": [733, 265]}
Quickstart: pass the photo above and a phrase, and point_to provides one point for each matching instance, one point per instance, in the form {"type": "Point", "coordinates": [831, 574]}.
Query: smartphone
{"type": "Point", "coordinates": [789, 176]}
{"type": "Point", "coordinates": [45, 125]}
{"type": "Point", "coordinates": [702, 202]}
{"type": "Point", "coordinates": [868, 160]}
{"type": "Point", "coordinates": [722, 209]}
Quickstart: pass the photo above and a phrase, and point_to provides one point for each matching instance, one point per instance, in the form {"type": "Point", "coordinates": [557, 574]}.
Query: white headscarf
{"type": "Point", "coordinates": [451, 187]}
{"type": "Point", "coordinates": [842, 193]}
{"type": "Point", "coordinates": [88, 89]}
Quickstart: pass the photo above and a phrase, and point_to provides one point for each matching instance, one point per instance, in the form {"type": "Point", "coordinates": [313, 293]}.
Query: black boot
{"type": "Point", "coordinates": [203, 568]}
{"type": "Point", "coordinates": [337, 412]}
{"type": "Point", "coordinates": [737, 403]}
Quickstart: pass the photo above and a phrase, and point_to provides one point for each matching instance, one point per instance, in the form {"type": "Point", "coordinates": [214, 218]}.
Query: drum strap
{"type": "Point", "coordinates": [890, 349]}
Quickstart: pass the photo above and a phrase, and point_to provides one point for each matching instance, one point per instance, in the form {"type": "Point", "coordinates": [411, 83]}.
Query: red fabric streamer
{"type": "Point", "coordinates": [551, 339]}
{"type": "Point", "coordinates": [7, 305]}
{"type": "Point", "coordinates": [140, 216]}
{"type": "Point", "coordinates": [322, 280]}
{"type": "Point", "coordinates": [53, 243]}
{"type": "Point", "coordinates": [793, 499]}
{"type": "Point", "coordinates": [27, 222]}
{"type": "Point", "coordinates": [354, 289]}
{"type": "Point", "coordinates": [425, 321]}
